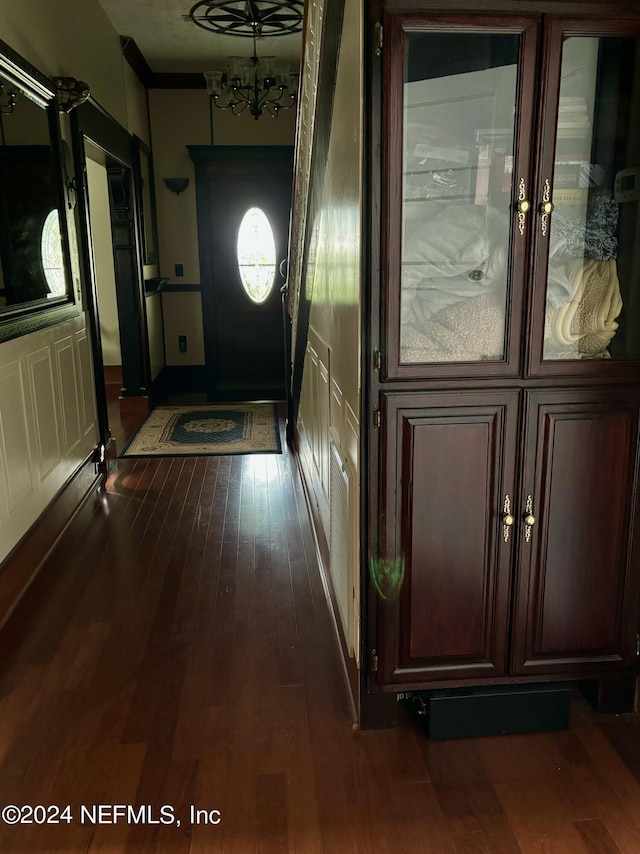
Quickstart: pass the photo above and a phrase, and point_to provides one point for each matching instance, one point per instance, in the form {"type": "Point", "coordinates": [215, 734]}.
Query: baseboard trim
{"type": "Point", "coordinates": [349, 667]}
{"type": "Point", "coordinates": [24, 561]}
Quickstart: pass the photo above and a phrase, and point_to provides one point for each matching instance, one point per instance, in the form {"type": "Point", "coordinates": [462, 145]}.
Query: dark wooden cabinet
{"type": "Point", "coordinates": [479, 514]}
{"type": "Point", "coordinates": [449, 464]}
{"type": "Point", "coordinates": [508, 388]}
{"type": "Point", "coordinates": [578, 575]}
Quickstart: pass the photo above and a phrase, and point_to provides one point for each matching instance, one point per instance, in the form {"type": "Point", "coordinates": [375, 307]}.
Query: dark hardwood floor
{"type": "Point", "coordinates": [177, 650]}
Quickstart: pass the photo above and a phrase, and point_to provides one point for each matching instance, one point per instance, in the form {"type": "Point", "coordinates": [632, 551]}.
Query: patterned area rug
{"type": "Point", "coordinates": [206, 430]}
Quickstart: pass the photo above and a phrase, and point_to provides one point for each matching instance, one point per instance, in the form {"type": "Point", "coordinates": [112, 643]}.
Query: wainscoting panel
{"type": "Point", "coordinates": [47, 422]}
{"type": "Point", "coordinates": [339, 535]}
{"type": "Point", "coordinates": [17, 464]}
{"type": "Point", "coordinates": [45, 415]}
{"type": "Point", "coordinates": [328, 431]}
{"type": "Point", "coordinates": [85, 369]}
{"type": "Point", "coordinates": [68, 379]}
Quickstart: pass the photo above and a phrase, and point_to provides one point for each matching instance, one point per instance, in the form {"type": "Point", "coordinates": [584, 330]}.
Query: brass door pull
{"type": "Point", "coordinates": [546, 207]}
{"type": "Point", "coordinates": [507, 519]}
{"type": "Point", "coordinates": [523, 206]}
{"type": "Point", "coordinates": [529, 519]}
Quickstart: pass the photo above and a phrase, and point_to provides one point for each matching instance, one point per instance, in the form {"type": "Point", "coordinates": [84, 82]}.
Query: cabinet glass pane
{"type": "Point", "coordinates": [458, 147]}
{"type": "Point", "coordinates": [593, 297]}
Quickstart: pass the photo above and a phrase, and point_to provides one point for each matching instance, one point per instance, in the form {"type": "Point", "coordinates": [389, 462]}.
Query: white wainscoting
{"type": "Point", "coordinates": [48, 423]}
{"type": "Point", "coordinates": [328, 429]}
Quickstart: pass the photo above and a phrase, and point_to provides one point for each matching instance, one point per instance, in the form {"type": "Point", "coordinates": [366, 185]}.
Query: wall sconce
{"type": "Point", "coordinates": [176, 185]}
{"type": "Point", "coordinates": [70, 93]}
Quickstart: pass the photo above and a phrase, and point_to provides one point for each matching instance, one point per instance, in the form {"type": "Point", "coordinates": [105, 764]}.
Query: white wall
{"type": "Point", "coordinates": [69, 37]}
{"type": "Point", "coordinates": [47, 400]}
{"type": "Point", "coordinates": [330, 398]}
{"type": "Point", "coordinates": [103, 260]}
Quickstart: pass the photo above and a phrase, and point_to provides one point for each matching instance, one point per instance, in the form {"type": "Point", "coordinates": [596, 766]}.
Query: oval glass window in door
{"type": "Point", "coordinates": [51, 255]}
{"type": "Point", "coordinates": [256, 255]}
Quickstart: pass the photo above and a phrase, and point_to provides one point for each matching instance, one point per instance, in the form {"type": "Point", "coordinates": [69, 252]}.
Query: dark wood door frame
{"type": "Point", "coordinates": [90, 123]}
{"type": "Point", "coordinates": [217, 161]}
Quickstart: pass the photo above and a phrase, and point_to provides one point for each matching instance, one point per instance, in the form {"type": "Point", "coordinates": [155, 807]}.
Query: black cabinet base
{"type": "Point", "coordinates": [497, 710]}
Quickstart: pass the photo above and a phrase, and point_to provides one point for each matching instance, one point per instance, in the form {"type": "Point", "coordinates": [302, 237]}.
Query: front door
{"type": "Point", "coordinates": [244, 201]}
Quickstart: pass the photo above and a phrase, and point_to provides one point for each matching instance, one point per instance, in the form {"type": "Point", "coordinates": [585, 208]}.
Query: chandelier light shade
{"type": "Point", "coordinates": [259, 85]}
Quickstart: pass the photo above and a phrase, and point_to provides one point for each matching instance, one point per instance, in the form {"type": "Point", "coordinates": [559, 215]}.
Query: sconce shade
{"type": "Point", "coordinates": [176, 185]}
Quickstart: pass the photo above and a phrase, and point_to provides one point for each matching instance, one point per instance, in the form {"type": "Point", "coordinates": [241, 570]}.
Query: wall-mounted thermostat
{"type": "Point", "coordinates": [626, 187]}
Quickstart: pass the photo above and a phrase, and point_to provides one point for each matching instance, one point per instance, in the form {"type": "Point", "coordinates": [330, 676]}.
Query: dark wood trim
{"type": "Point", "coordinates": [158, 79]}
{"type": "Point", "coordinates": [132, 316]}
{"type": "Point", "coordinates": [176, 289]}
{"type": "Point", "coordinates": [134, 56]}
{"type": "Point", "coordinates": [625, 9]}
{"type": "Point", "coordinates": [23, 563]}
{"type": "Point", "coordinates": [216, 160]}
{"type": "Point", "coordinates": [88, 275]}
{"type": "Point", "coordinates": [103, 130]}
{"type": "Point", "coordinates": [370, 396]}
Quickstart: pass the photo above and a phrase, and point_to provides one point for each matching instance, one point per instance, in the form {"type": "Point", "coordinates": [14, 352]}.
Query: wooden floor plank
{"type": "Point", "coordinates": [177, 649]}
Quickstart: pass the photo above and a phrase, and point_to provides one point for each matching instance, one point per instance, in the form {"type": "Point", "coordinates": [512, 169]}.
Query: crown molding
{"type": "Point", "coordinates": [157, 79]}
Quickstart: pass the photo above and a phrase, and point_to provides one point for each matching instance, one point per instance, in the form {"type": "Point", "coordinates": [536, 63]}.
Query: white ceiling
{"type": "Point", "coordinates": [169, 43]}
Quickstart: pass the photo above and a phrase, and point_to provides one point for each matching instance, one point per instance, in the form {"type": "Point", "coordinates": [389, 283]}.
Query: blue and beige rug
{"type": "Point", "coordinates": [206, 430]}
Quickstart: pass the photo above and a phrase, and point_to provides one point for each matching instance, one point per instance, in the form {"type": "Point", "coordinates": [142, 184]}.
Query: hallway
{"type": "Point", "coordinates": [177, 650]}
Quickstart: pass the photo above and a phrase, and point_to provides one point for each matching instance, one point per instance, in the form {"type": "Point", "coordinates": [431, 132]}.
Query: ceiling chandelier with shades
{"type": "Point", "coordinates": [255, 84]}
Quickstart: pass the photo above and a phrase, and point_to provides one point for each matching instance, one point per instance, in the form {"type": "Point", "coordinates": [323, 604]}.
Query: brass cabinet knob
{"type": "Point", "coordinates": [524, 205]}
{"type": "Point", "coordinates": [529, 520]}
{"type": "Point", "coordinates": [546, 208]}
{"type": "Point", "coordinates": [507, 520]}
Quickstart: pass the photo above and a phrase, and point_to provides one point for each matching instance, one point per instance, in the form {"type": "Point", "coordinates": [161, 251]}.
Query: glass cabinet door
{"type": "Point", "coordinates": [589, 213]}
{"type": "Point", "coordinates": [456, 239]}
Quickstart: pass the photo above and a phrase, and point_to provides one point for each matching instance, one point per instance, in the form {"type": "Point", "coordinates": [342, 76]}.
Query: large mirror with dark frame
{"type": "Point", "coordinates": [34, 252]}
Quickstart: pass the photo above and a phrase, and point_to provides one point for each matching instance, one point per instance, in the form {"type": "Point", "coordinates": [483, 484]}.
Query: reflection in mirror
{"type": "Point", "coordinates": [32, 268]}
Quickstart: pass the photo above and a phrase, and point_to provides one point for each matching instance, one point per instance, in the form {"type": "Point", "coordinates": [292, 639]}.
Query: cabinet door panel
{"type": "Point", "coordinates": [587, 312]}
{"type": "Point", "coordinates": [577, 597]}
{"type": "Point", "coordinates": [456, 168]}
{"type": "Point", "coordinates": [449, 465]}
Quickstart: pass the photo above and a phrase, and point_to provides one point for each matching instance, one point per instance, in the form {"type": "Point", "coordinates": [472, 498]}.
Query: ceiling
{"type": "Point", "coordinates": [169, 43]}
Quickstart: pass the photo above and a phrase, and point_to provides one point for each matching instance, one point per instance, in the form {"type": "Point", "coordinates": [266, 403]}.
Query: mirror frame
{"type": "Point", "coordinates": [147, 216]}
{"type": "Point", "coordinates": [27, 317]}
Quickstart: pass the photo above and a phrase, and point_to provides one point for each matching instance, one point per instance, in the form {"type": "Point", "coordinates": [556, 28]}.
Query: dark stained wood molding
{"type": "Point", "coordinates": [23, 563]}
{"type": "Point", "coordinates": [180, 289]}
{"type": "Point", "coordinates": [157, 79]}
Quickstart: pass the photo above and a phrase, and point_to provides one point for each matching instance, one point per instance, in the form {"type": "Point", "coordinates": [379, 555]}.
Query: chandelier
{"type": "Point", "coordinates": [255, 84]}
